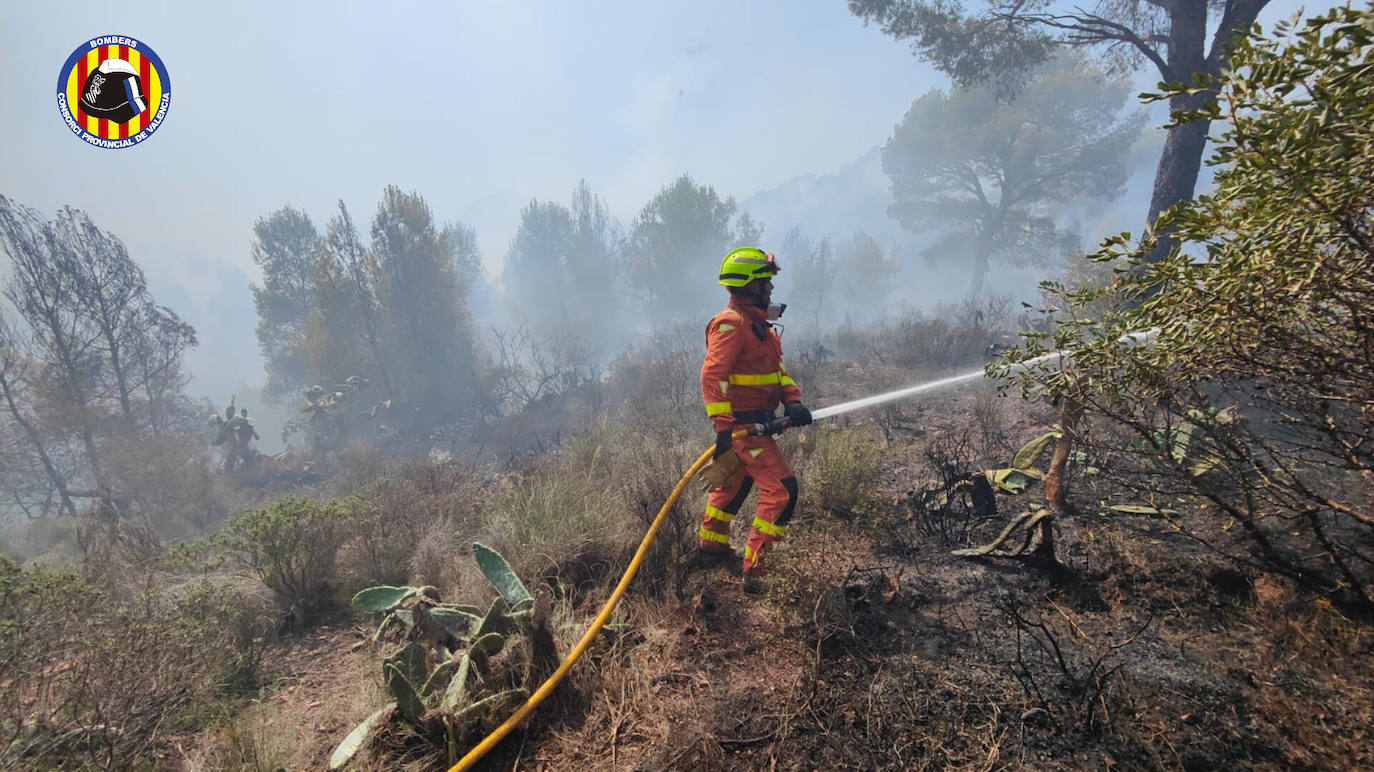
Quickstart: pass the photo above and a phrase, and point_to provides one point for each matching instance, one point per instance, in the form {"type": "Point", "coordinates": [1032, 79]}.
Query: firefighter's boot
{"type": "Point", "coordinates": [706, 560]}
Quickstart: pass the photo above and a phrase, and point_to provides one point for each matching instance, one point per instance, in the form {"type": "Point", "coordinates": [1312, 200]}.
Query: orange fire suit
{"type": "Point", "coordinates": [742, 382]}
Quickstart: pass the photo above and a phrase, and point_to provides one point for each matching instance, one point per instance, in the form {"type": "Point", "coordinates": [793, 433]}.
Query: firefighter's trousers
{"type": "Point", "coordinates": [765, 467]}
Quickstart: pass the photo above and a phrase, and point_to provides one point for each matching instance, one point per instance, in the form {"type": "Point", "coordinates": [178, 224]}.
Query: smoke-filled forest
{"type": "Point", "coordinates": [1070, 464]}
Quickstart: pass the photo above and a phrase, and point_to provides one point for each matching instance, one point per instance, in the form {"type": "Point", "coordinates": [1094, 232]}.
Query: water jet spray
{"type": "Point", "coordinates": [1046, 362]}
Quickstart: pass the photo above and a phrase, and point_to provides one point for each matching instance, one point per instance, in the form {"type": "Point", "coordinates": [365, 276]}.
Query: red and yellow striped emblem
{"type": "Point", "coordinates": [148, 77]}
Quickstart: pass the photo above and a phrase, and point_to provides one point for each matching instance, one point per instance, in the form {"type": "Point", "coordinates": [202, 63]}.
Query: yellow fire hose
{"type": "Point", "coordinates": [497, 735]}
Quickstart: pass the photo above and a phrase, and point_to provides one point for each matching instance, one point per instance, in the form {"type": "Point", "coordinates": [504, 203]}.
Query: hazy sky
{"type": "Point", "coordinates": [478, 105]}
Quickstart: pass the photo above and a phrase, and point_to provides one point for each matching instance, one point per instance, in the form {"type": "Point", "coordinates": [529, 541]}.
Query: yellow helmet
{"type": "Point", "coordinates": [746, 264]}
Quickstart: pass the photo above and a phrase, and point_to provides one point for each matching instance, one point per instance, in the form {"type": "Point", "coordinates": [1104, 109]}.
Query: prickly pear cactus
{"type": "Point", "coordinates": [502, 576]}
{"type": "Point", "coordinates": [460, 670]}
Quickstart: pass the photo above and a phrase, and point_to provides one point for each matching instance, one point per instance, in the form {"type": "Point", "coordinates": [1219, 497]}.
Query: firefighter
{"type": "Point", "coordinates": [743, 381]}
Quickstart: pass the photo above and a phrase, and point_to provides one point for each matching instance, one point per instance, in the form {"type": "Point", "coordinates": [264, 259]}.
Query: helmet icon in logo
{"type": "Point", "coordinates": [112, 91]}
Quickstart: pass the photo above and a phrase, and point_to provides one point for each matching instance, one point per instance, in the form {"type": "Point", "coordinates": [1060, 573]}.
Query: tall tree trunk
{"type": "Point", "coordinates": [1179, 164]}
{"type": "Point", "coordinates": [92, 456]}
{"type": "Point", "coordinates": [980, 268]}
{"type": "Point", "coordinates": [121, 382]}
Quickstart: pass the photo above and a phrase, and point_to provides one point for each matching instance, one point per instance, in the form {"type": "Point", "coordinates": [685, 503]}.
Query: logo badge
{"type": "Point", "coordinates": [113, 92]}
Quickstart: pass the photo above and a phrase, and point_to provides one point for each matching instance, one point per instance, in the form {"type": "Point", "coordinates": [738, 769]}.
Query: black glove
{"type": "Point", "coordinates": [723, 443]}
{"type": "Point", "coordinates": [797, 414]}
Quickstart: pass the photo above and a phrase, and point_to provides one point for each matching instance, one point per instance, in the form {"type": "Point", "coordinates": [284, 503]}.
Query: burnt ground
{"type": "Point", "coordinates": [875, 648]}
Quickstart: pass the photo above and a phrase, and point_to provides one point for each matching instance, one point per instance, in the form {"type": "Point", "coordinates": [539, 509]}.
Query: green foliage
{"type": "Point", "coordinates": [1022, 472]}
{"type": "Point", "coordinates": [456, 692]}
{"type": "Point", "coordinates": [676, 244]}
{"type": "Point", "coordinates": [231, 627]}
{"type": "Point", "coordinates": [446, 696]}
{"type": "Point", "coordinates": [1141, 509]}
{"type": "Point", "coordinates": [402, 689]}
{"type": "Point", "coordinates": [291, 546]}
{"type": "Point", "coordinates": [346, 331]}
{"type": "Point", "coordinates": [1030, 453]}
{"type": "Point", "coordinates": [866, 272]}
{"type": "Point", "coordinates": [392, 312]}
{"type": "Point", "coordinates": [557, 268]}
{"type": "Point", "coordinates": [554, 505]}
{"type": "Point", "coordinates": [984, 172]}
{"type": "Point", "coordinates": [934, 504]}
{"type": "Point", "coordinates": [496, 620]}
{"type": "Point", "coordinates": [381, 538]}
{"type": "Point", "coordinates": [843, 473]}
{"type": "Point", "coordinates": [456, 619]}
{"type": "Point", "coordinates": [284, 246]}
{"type": "Point", "coordinates": [973, 49]}
{"type": "Point", "coordinates": [1191, 442]}
{"type": "Point", "coordinates": [1265, 304]}
{"type": "Point", "coordinates": [430, 331]}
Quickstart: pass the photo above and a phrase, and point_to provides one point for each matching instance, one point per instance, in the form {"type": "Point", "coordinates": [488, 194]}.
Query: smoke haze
{"type": "Point", "coordinates": [480, 108]}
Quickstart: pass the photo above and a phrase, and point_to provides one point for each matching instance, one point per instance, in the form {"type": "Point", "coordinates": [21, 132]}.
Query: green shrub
{"type": "Point", "coordinates": [292, 546]}
{"type": "Point", "coordinates": [90, 681]}
{"type": "Point", "coordinates": [233, 626]}
{"type": "Point", "coordinates": [843, 473]}
{"type": "Point", "coordinates": [1260, 295]}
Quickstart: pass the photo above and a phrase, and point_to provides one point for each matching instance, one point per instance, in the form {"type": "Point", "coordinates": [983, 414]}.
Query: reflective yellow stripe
{"type": "Point", "coordinates": [764, 526]}
{"type": "Point", "coordinates": [749, 554]}
{"type": "Point", "coordinates": [716, 408]}
{"type": "Point", "coordinates": [718, 514]}
{"type": "Point", "coordinates": [708, 535]}
{"type": "Point", "coordinates": [726, 327]}
{"type": "Point", "coordinates": [787, 381]}
{"type": "Point", "coordinates": [746, 379]}
{"type": "Point", "coordinates": [754, 453]}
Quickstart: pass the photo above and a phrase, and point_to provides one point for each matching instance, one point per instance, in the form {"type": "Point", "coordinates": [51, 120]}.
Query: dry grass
{"type": "Point", "coordinates": [297, 727]}
{"type": "Point", "coordinates": [861, 654]}
{"type": "Point", "coordinates": [95, 681]}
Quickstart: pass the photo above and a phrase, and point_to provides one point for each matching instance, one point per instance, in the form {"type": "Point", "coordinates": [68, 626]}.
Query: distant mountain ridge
{"type": "Point", "coordinates": [835, 204]}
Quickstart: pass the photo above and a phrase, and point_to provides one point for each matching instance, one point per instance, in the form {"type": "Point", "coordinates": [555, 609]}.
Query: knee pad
{"type": "Point", "coordinates": [790, 484]}
{"type": "Point", "coordinates": [732, 506]}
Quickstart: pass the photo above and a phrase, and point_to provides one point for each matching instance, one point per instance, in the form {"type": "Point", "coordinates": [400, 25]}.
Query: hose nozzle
{"type": "Point", "coordinates": [772, 428]}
